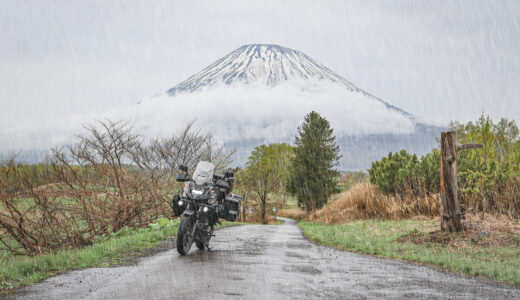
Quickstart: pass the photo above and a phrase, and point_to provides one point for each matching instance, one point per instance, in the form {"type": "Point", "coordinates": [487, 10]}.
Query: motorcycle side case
{"type": "Point", "coordinates": [178, 209]}
{"type": "Point", "coordinates": [231, 204]}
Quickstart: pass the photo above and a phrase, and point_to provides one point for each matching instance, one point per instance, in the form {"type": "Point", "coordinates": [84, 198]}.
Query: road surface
{"type": "Point", "coordinates": [265, 262]}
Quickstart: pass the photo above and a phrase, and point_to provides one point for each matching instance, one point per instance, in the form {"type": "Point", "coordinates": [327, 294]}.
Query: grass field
{"type": "Point", "coordinates": [411, 240]}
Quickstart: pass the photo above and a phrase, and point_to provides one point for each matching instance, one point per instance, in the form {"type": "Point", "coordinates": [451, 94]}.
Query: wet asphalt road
{"type": "Point", "coordinates": [265, 262]}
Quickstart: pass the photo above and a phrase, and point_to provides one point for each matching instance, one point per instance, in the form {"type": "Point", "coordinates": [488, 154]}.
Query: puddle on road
{"type": "Point", "coordinates": [302, 269]}
{"type": "Point", "coordinates": [296, 255]}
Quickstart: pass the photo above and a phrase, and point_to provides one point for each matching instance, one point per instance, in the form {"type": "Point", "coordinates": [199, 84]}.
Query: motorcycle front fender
{"type": "Point", "coordinates": [188, 213]}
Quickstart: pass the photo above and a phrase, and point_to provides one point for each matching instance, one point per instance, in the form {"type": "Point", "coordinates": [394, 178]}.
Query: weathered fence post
{"type": "Point", "coordinates": [449, 198]}
{"type": "Point", "coordinates": [451, 212]}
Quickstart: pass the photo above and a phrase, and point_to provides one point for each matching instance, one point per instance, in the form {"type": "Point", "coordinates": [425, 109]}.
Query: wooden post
{"type": "Point", "coordinates": [449, 197]}
{"type": "Point", "coordinates": [451, 212]}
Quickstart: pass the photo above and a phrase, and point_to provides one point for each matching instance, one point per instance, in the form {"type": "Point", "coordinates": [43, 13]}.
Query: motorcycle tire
{"type": "Point", "coordinates": [184, 241]}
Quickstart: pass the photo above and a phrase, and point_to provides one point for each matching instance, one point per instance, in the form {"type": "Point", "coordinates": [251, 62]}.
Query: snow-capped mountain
{"type": "Point", "coordinates": [265, 64]}
{"type": "Point", "coordinates": [268, 64]}
{"type": "Point", "coordinates": [255, 95]}
{"type": "Point", "coordinates": [260, 93]}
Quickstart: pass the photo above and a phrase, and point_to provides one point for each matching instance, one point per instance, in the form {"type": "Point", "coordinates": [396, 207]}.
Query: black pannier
{"type": "Point", "coordinates": [231, 204]}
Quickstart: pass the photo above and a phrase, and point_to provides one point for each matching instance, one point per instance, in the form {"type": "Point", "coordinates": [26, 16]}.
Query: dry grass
{"type": "Point", "coordinates": [364, 201]}
{"type": "Point", "coordinates": [481, 231]}
{"type": "Point", "coordinates": [502, 197]}
{"type": "Point", "coordinates": [293, 213]}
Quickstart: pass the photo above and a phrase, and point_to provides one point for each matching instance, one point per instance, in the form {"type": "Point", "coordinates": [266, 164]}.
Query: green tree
{"type": "Point", "coordinates": [313, 178]}
{"type": "Point", "coordinates": [266, 169]}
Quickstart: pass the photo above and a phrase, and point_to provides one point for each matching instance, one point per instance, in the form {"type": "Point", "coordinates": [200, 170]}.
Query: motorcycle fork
{"type": "Point", "coordinates": [195, 224]}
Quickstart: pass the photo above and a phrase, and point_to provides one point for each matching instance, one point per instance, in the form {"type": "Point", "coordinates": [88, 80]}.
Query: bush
{"type": "Point", "coordinates": [489, 178]}
{"type": "Point", "coordinates": [402, 172]}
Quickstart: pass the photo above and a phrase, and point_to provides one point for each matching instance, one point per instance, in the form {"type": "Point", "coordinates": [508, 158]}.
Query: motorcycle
{"type": "Point", "coordinates": [206, 197]}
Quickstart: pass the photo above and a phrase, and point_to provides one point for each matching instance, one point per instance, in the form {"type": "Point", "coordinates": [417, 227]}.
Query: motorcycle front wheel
{"type": "Point", "coordinates": [184, 238]}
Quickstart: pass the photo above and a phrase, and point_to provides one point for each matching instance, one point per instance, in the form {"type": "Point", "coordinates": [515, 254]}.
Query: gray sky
{"type": "Point", "coordinates": [440, 60]}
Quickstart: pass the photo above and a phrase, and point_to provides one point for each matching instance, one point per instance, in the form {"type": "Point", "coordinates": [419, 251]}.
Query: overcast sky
{"type": "Point", "coordinates": [440, 60]}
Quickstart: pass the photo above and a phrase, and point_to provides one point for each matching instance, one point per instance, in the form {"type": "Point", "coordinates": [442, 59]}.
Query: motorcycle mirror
{"type": "Point", "coordinates": [183, 178]}
{"type": "Point", "coordinates": [183, 168]}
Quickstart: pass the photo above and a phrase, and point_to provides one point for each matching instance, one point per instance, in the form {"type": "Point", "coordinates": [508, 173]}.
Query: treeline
{"type": "Point", "coordinates": [489, 178]}
{"type": "Point", "coordinates": [109, 179]}
{"type": "Point", "coordinates": [112, 178]}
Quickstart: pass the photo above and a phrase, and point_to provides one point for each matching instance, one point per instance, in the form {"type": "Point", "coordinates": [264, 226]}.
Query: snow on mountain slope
{"type": "Point", "coordinates": [260, 94]}
{"type": "Point", "coordinates": [269, 65]}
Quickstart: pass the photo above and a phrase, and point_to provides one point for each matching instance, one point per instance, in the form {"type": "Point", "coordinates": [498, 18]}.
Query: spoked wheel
{"type": "Point", "coordinates": [184, 238]}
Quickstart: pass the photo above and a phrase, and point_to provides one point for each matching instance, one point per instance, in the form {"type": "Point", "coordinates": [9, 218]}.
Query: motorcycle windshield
{"type": "Point", "coordinates": [203, 172]}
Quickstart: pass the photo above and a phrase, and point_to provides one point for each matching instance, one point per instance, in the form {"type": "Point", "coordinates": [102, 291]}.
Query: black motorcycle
{"type": "Point", "coordinates": [206, 197]}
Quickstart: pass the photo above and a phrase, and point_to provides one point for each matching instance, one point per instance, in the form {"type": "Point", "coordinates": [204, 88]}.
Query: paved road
{"type": "Point", "coordinates": [265, 262]}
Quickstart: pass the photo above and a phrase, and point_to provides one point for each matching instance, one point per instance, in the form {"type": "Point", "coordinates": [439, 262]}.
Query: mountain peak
{"type": "Point", "coordinates": [267, 64]}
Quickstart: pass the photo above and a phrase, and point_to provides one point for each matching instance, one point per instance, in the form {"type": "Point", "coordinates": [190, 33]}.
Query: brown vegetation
{"type": "Point", "coordinates": [109, 179]}
{"type": "Point", "coordinates": [365, 201]}
{"type": "Point", "coordinates": [502, 197]}
{"type": "Point", "coordinates": [481, 231]}
{"type": "Point", "coordinates": [293, 213]}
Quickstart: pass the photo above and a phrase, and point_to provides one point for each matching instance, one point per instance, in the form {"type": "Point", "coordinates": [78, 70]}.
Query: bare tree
{"type": "Point", "coordinates": [188, 148]}
{"type": "Point", "coordinates": [110, 178]}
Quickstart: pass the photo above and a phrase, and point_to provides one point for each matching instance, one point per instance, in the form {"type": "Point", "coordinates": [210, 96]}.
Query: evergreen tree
{"type": "Point", "coordinates": [313, 178]}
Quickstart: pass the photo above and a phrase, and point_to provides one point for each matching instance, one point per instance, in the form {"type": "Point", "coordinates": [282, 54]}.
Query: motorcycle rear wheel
{"type": "Point", "coordinates": [184, 240]}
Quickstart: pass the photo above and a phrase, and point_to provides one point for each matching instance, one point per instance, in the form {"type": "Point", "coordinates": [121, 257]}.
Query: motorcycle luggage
{"type": "Point", "coordinates": [231, 204]}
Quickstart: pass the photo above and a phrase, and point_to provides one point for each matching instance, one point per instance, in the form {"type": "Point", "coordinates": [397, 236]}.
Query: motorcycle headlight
{"type": "Point", "coordinates": [196, 192]}
{"type": "Point", "coordinates": [205, 209]}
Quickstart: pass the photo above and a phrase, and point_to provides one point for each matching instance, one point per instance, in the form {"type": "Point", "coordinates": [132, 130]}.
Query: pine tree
{"type": "Point", "coordinates": [313, 178]}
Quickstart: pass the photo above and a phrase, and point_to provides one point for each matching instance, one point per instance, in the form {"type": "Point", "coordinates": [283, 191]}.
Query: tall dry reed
{"type": "Point", "coordinates": [365, 201]}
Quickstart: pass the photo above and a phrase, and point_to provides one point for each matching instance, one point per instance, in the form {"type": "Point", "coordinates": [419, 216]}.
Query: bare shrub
{"type": "Point", "coordinates": [112, 177]}
{"type": "Point", "coordinates": [34, 219]}
{"type": "Point", "coordinates": [109, 179]}
{"type": "Point", "coordinates": [188, 148]}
